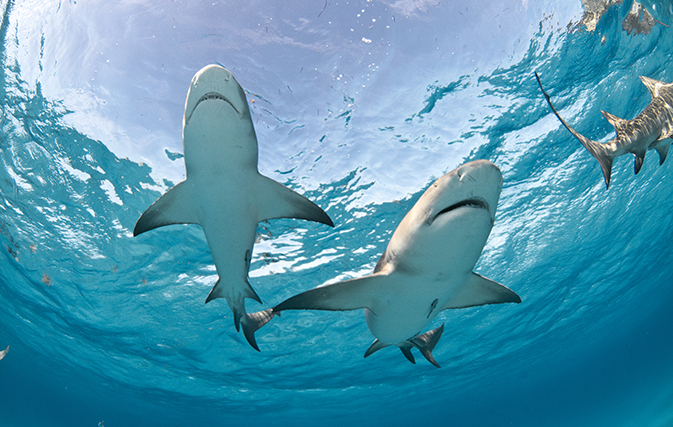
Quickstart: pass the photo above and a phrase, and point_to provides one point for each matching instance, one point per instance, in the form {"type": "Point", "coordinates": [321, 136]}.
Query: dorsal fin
{"type": "Point", "coordinates": [652, 85]}
{"type": "Point", "coordinates": [615, 121]}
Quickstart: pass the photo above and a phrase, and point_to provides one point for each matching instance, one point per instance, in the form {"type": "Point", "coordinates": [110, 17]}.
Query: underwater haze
{"type": "Point", "coordinates": [359, 106]}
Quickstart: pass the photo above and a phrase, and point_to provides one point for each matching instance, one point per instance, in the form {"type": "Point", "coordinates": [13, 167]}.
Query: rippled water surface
{"type": "Point", "coordinates": [358, 105]}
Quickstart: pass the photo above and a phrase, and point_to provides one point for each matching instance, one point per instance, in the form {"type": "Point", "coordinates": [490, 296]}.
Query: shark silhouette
{"type": "Point", "coordinates": [650, 130]}
{"type": "Point", "coordinates": [224, 192]}
{"type": "Point", "coordinates": [427, 266]}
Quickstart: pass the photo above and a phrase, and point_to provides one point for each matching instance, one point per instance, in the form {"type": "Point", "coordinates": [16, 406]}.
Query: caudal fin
{"type": "Point", "coordinates": [235, 296]}
{"type": "Point", "coordinates": [252, 322]}
{"type": "Point", "coordinates": [427, 342]}
{"type": "Point", "coordinates": [601, 152]}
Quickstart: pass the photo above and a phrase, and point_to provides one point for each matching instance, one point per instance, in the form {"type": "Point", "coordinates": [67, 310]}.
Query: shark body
{"type": "Point", "coordinates": [4, 352]}
{"type": "Point", "coordinates": [427, 266]}
{"type": "Point", "coordinates": [650, 130]}
{"type": "Point", "coordinates": [224, 192]}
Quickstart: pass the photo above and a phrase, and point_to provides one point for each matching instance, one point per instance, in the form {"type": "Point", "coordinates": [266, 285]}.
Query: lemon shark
{"type": "Point", "coordinates": [4, 352]}
{"type": "Point", "coordinates": [650, 130]}
{"type": "Point", "coordinates": [224, 192]}
{"type": "Point", "coordinates": [427, 266]}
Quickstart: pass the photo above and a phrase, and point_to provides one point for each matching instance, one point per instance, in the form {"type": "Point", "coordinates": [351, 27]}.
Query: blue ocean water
{"type": "Point", "coordinates": [359, 105]}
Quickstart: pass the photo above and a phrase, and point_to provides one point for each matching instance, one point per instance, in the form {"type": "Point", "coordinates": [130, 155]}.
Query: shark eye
{"type": "Point", "coordinates": [470, 203]}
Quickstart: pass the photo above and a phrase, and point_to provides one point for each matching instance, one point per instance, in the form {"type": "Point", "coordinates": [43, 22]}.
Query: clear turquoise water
{"type": "Point", "coordinates": [358, 106]}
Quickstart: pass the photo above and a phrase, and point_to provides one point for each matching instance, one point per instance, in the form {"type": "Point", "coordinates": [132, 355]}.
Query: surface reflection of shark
{"type": "Point", "coordinates": [427, 266]}
{"type": "Point", "coordinates": [224, 192]}
{"type": "Point", "coordinates": [650, 130]}
{"type": "Point", "coordinates": [4, 352]}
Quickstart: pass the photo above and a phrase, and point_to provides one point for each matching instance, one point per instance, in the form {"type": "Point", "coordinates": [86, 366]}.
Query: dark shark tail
{"type": "Point", "coordinates": [601, 152]}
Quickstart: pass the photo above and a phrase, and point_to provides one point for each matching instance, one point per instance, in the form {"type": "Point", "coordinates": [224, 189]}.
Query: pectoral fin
{"type": "Point", "coordinates": [176, 206]}
{"type": "Point", "coordinates": [479, 290]}
{"type": "Point", "coordinates": [277, 201]}
{"type": "Point", "coordinates": [349, 295]}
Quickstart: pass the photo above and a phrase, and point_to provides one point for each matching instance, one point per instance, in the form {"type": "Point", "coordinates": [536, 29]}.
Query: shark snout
{"type": "Point", "coordinates": [214, 82]}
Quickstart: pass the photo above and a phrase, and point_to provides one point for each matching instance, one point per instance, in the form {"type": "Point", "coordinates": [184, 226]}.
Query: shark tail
{"type": "Point", "coordinates": [253, 321]}
{"type": "Point", "coordinates": [234, 299]}
{"type": "Point", "coordinates": [424, 343]}
{"type": "Point", "coordinates": [601, 152]}
{"type": "Point", "coordinates": [427, 342]}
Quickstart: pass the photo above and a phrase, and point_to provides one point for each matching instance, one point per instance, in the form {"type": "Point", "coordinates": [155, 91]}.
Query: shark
{"type": "Point", "coordinates": [427, 266]}
{"type": "Point", "coordinates": [224, 192]}
{"type": "Point", "coordinates": [652, 129]}
{"type": "Point", "coordinates": [4, 352]}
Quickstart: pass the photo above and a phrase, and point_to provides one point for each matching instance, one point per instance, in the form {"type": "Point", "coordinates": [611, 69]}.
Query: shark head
{"type": "Point", "coordinates": [215, 83]}
{"type": "Point", "coordinates": [217, 130]}
{"type": "Point", "coordinates": [475, 185]}
{"type": "Point", "coordinates": [451, 221]}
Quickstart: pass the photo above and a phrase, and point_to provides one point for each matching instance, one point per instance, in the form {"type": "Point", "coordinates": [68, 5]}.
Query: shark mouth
{"type": "Point", "coordinates": [469, 203]}
{"type": "Point", "coordinates": [209, 96]}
